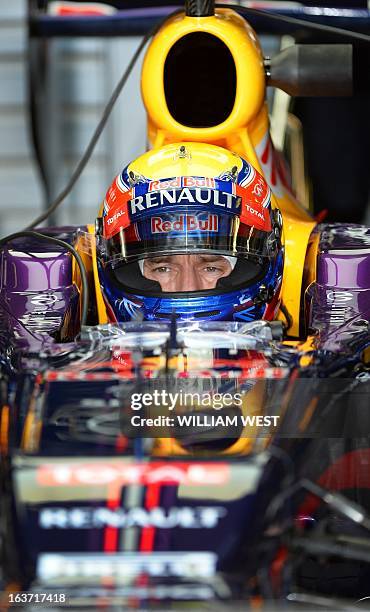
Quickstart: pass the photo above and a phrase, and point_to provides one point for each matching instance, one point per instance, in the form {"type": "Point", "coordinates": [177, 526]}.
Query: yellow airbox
{"type": "Point", "coordinates": [203, 80]}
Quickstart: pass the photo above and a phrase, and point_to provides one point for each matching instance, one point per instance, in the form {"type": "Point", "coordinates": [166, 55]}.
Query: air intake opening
{"type": "Point", "coordinates": [200, 80]}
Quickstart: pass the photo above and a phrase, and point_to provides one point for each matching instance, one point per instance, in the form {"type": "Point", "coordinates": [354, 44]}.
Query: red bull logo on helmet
{"type": "Point", "coordinates": [184, 223]}
{"type": "Point", "coordinates": [182, 181]}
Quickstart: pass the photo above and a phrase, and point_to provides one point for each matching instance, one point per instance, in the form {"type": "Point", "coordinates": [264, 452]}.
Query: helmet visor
{"type": "Point", "coordinates": [188, 231]}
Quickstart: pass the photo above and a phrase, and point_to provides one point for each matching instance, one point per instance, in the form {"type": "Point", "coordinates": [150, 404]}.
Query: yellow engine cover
{"type": "Point", "coordinates": [244, 131]}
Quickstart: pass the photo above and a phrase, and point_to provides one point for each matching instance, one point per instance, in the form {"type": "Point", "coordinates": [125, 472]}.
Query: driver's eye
{"type": "Point", "coordinates": [212, 269]}
{"type": "Point", "coordinates": [162, 269]}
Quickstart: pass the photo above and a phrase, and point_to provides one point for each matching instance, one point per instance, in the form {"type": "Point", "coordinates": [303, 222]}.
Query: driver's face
{"type": "Point", "coordinates": [186, 272]}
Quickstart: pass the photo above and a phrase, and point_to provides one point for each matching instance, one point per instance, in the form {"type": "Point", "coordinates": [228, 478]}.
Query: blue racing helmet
{"type": "Point", "coordinates": [188, 231]}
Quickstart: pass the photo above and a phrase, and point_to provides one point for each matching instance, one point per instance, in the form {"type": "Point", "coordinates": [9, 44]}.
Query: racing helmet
{"type": "Point", "coordinates": [190, 204]}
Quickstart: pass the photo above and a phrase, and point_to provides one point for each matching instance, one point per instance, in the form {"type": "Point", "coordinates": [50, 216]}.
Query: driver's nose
{"type": "Point", "coordinates": [188, 279]}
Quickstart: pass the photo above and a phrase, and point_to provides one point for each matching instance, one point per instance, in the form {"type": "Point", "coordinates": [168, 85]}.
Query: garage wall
{"type": "Point", "coordinates": [20, 193]}
{"type": "Point", "coordinates": [84, 73]}
{"type": "Point", "coordinates": [82, 76]}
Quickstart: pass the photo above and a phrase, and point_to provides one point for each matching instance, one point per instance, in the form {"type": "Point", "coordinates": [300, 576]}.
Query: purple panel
{"type": "Point", "coordinates": [36, 271]}
{"type": "Point", "coordinates": [340, 298]}
{"type": "Point", "coordinates": [36, 290]}
{"type": "Point", "coordinates": [345, 269]}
